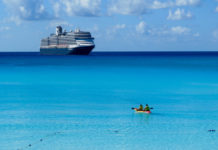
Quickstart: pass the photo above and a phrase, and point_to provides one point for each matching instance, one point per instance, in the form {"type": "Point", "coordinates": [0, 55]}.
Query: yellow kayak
{"type": "Point", "coordinates": [142, 111]}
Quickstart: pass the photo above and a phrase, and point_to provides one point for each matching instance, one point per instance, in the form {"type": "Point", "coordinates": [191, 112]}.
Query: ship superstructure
{"type": "Point", "coordinates": [67, 43]}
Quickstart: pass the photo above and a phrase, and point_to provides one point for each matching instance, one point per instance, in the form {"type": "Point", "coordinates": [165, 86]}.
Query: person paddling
{"type": "Point", "coordinates": [140, 108]}
{"type": "Point", "coordinates": [147, 108]}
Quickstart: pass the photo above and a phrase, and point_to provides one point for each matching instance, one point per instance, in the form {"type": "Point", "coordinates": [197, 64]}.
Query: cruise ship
{"type": "Point", "coordinates": [67, 43]}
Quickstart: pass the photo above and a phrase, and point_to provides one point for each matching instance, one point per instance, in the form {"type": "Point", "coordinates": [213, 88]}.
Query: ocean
{"type": "Point", "coordinates": [84, 102]}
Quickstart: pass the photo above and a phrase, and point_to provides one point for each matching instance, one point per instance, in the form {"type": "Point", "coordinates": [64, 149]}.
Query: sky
{"type": "Point", "coordinates": [117, 25]}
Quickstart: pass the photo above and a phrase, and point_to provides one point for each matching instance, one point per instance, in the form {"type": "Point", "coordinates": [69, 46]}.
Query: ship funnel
{"type": "Point", "coordinates": [58, 30]}
{"type": "Point", "coordinates": [77, 30]}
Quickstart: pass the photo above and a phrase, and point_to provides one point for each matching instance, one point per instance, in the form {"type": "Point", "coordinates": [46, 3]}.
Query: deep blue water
{"type": "Point", "coordinates": [84, 102]}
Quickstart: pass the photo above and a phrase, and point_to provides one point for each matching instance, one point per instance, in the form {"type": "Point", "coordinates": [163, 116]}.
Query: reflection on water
{"type": "Point", "coordinates": [141, 117]}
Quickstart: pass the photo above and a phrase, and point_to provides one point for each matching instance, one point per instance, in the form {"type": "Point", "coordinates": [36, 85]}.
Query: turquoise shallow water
{"type": "Point", "coordinates": [84, 102]}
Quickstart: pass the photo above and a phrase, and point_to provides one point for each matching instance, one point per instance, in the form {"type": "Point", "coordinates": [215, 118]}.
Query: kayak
{"type": "Point", "coordinates": [142, 111]}
{"type": "Point", "coordinates": [147, 112]}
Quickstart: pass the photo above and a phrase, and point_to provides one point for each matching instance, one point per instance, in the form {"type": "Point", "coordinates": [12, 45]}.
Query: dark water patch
{"type": "Point", "coordinates": [212, 130]}
{"type": "Point", "coordinates": [19, 53]}
{"type": "Point", "coordinates": [127, 53]}
{"type": "Point", "coordinates": [158, 53]}
{"type": "Point", "coordinates": [158, 60]}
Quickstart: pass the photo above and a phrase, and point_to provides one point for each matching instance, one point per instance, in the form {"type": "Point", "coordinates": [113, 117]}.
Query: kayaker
{"type": "Point", "coordinates": [140, 108]}
{"type": "Point", "coordinates": [147, 108]}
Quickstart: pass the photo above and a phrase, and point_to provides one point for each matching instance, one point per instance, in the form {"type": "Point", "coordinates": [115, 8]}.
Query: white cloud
{"type": "Point", "coordinates": [118, 27]}
{"type": "Point", "coordinates": [41, 9]}
{"type": "Point", "coordinates": [215, 34]}
{"type": "Point", "coordinates": [20, 10]}
{"type": "Point", "coordinates": [157, 4]}
{"type": "Point", "coordinates": [196, 34]}
{"type": "Point", "coordinates": [141, 7]}
{"type": "Point", "coordinates": [56, 7]}
{"type": "Point", "coordinates": [180, 30]}
{"type": "Point", "coordinates": [127, 7]}
{"type": "Point", "coordinates": [5, 28]}
{"type": "Point", "coordinates": [216, 10]}
{"type": "Point", "coordinates": [187, 2]}
{"type": "Point", "coordinates": [81, 7]}
{"type": "Point", "coordinates": [27, 9]}
{"type": "Point", "coordinates": [179, 14]}
{"type": "Point", "coordinates": [164, 31]}
{"type": "Point", "coordinates": [141, 27]}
